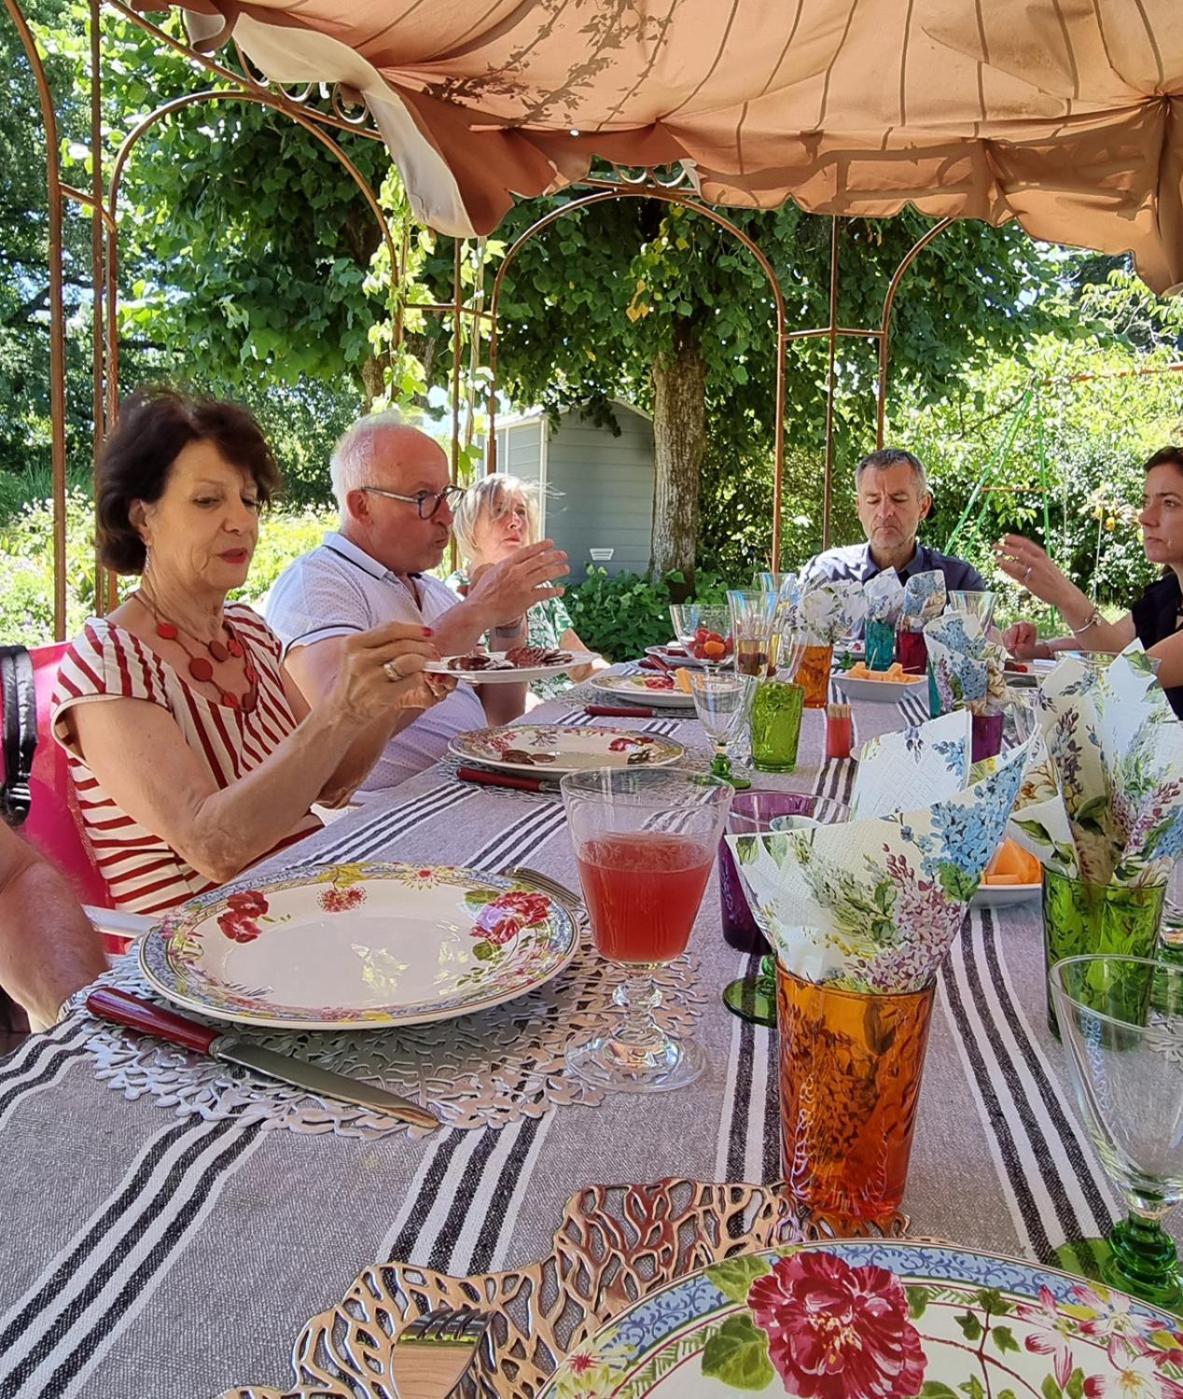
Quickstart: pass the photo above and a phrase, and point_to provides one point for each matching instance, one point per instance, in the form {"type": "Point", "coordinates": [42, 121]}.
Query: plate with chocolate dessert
{"type": "Point", "coordinates": [549, 749]}
{"type": "Point", "coordinates": [520, 666]}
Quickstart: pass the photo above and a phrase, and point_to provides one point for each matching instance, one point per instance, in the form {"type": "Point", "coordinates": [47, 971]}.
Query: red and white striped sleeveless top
{"type": "Point", "coordinates": [144, 873]}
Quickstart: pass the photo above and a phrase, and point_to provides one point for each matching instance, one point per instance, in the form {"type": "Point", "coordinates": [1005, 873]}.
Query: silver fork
{"type": "Point", "coordinates": [433, 1354]}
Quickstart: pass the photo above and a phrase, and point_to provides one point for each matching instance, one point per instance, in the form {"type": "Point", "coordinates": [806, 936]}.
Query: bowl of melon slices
{"type": "Point", "coordinates": [1011, 877]}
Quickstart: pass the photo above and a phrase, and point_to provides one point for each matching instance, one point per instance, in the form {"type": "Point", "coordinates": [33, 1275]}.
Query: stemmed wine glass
{"type": "Point", "coordinates": [645, 840]}
{"type": "Point", "coordinates": [975, 604]}
{"type": "Point", "coordinates": [704, 631]}
{"type": "Point", "coordinates": [721, 702]}
{"type": "Point", "coordinates": [1121, 1022]}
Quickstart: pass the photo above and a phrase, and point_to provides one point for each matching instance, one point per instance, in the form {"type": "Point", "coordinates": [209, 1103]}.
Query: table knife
{"type": "Point", "coordinates": [506, 779]}
{"type": "Point", "coordinates": [620, 711]}
{"type": "Point", "coordinates": [109, 1003]}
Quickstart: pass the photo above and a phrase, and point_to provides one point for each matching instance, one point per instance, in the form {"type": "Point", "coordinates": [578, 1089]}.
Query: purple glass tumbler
{"type": "Point", "coordinates": [751, 813]}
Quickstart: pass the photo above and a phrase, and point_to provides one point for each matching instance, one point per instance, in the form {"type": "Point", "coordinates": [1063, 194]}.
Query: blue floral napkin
{"type": "Point", "coordinates": [829, 611]}
{"type": "Point", "coordinates": [913, 767]}
{"type": "Point", "coordinates": [873, 905]}
{"type": "Point", "coordinates": [1102, 799]}
{"type": "Point", "coordinates": [967, 668]}
{"type": "Point", "coordinates": [924, 598]}
{"type": "Point", "coordinates": [885, 597]}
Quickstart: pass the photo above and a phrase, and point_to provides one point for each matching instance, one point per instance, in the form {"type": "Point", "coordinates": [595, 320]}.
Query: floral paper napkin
{"type": "Point", "coordinates": [831, 610]}
{"type": "Point", "coordinates": [872, 905]}
{"type": "Point", "coordinates": [924, 598]}
{"type": "Point", "coordinates": [885, 597]}
{"type": "Point", "coordinates": [913, 767]}
{"type": "Point", "coordinates": [967, 668]}
{"type": "Point", "coordinates": [1102, 799]}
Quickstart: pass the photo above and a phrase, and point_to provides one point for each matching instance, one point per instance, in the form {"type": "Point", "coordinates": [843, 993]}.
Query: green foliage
{"type": "Point", "coordinates": [26, 564]}
{"type": "Point", "coordinates": [619, 615]}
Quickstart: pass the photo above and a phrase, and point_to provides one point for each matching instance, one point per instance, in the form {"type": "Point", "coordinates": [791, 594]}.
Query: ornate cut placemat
{"type": "Point", "coordinates": [615, 1244]}
{"type": "Point", "coordinates": [489, 1069]}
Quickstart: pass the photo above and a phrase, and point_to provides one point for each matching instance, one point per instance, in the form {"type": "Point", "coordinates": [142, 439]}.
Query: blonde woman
{"type": "Point", "coordinates": [494, 519]}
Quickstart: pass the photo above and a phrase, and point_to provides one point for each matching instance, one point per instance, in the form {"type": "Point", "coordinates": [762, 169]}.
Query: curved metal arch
{"type": "Point", "coordinates": [57, 314]}
{"type": "Point", "coordinates": [885, 321]}
{"type": "Point", "coordinates": [666, 196]}
{"type": "Point", "coordinates": [191, 99]}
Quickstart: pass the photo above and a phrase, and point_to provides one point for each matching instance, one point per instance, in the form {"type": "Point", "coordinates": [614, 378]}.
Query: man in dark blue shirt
{"type": "Point", "coordinates": [893, 497]}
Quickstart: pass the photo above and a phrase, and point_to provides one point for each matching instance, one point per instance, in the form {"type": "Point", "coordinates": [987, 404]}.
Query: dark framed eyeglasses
{"type": "Point", "coordinates": [426, 502]}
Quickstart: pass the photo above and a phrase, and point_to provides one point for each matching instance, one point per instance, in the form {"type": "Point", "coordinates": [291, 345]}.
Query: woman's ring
{"type": "Point", "coordinates": [392, 670]}
{"type": "Point", "coordinates": [1027, 573]}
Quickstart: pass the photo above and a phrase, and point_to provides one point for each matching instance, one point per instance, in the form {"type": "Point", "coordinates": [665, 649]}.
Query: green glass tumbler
{"type": "Point", "coordinates": [879, 642]}
{"type": "Point", "coordinates": [1081, 919]}
{"type": "Point", "coordinates": [776, 725]}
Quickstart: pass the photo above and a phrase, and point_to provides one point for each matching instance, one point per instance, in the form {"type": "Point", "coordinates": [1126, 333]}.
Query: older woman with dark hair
{"type": "Point", "coordinates": [203, 755]}
{"type": "Point", "coordinates": [1155, 619]}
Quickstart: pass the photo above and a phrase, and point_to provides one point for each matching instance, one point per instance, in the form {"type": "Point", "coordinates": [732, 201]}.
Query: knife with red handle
{"type": "Point", "coordinates": [109, 1003]}
{"type": "Point", "coordinates": [612, 711]}
{"type": "Point", "coordinates": [506, 779]}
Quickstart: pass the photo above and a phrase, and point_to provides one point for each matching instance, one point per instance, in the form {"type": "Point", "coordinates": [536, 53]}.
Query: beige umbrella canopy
{"type": "Point", "coordinates": [1064, 114]}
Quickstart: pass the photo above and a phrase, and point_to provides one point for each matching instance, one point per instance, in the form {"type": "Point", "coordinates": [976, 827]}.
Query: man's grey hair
{"type": "Point", "coordinates": [352, 463]}
{"type": "Point", "coordinates": [892, 456]}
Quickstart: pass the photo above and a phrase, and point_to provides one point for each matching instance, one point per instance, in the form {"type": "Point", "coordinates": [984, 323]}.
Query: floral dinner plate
{"type": "Point", "coordinates": [648, 689]}
{"type": "Point", "coordinates": [550, 748]}
{"type": "Point", "coordinates": [359, 946]}
{"type": "Point", "coordinates": [517, 675]}
{"type": "Point", "coordinates": [879, 1319]}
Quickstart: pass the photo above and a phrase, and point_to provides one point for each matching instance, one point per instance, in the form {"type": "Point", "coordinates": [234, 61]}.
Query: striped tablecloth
{"type": "Point", "coordinates": [144, 1254]}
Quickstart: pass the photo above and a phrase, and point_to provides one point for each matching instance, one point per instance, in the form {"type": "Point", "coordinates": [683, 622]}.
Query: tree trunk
{"type": "Point", "coordinates": [679, 439]}
{"type": "Point", "coordinates": [371, 371]}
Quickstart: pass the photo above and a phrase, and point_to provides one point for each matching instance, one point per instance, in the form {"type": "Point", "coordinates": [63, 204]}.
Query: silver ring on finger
{"type": "Point", "coordinates": [1026, 573]}
{"type": "Point", "coordinates": [392, 670]}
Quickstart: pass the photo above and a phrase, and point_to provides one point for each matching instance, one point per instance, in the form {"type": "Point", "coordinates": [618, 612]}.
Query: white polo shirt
{"type": "Point", "coordinates": [337, 589]}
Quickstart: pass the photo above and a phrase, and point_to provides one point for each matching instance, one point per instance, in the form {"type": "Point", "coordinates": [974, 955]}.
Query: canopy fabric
{"type": "Point", "coordinates": [1064, 114]}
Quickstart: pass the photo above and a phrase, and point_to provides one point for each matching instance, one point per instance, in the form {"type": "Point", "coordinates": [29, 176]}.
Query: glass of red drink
{"type": "Point", "coordinates": [645, 840]}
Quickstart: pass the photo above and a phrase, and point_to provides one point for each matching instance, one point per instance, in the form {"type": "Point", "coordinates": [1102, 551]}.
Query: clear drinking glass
{"type": "Point", "coordinates": [645, 840]}
{"type": "Point", "coordinates": [753, 627]}
{"type": "Point", "coordinates": [1121, 1019]}
{"type": "Point", "coordinates": [976, 604]}
{"type": "Point", "coordinates": [721, 699]}
{"type": "Point", "coordinates": [704, 629]}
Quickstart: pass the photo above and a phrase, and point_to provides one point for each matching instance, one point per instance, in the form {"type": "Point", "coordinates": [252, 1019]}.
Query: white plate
{"type": "Point", "coordinates": [1003, 895]}
{"type": "Point", "coordinates": [1034, 673]}
{"type": "Point", "coordinates": [675, 657]}
{"type": "Point", "coordinates": [638, 690]}
{"type": "Point", "coordinates": [879, 691]}
{"type": "Point", "coordinates": [520, 675]}
{"type": "Point", "coordinates": [549, 749]}
{"type": "Point", "coordinates": [359, 946]}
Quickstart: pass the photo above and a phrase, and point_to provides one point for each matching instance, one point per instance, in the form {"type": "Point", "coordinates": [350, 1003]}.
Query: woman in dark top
{"type": "Point", "coordinates": [1156, 619]}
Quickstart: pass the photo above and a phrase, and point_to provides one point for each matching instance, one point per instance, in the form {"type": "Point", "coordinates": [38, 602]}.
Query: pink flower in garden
{"type": "Point", "coordinates": [838, 1332]}
{"type": "Point", "coordinates": [334, 900]}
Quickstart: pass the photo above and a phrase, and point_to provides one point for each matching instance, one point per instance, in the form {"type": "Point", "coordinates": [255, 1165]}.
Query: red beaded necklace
{"type": "Point", "coordinates": [199, 667]}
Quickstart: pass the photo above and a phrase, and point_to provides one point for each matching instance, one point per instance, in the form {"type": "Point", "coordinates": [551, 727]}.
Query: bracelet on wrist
{"type": "Point", "coordinates": [1090, 621]}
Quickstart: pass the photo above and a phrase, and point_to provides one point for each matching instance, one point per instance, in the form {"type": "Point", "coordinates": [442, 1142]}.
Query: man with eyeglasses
{"type": "Point", "coordinates": [393, 490]}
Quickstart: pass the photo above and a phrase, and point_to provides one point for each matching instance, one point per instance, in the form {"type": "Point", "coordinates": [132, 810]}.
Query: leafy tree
{"type": "Point", "coordinates": [647, 301]}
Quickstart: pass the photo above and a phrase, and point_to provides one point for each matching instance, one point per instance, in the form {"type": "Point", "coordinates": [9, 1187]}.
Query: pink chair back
{"type": "Point", "coordinates": [54, 825]}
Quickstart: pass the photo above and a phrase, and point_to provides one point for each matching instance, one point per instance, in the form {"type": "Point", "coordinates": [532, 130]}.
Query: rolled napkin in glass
{"type": "Point", "coordinates": [924, 599]}
{"type": "Point", "coordinates": [872, 905]}
{"type": "Point", "coordinates": [1102, 800]}
{"type": "Point", "coordinates": [966, 670]}
{"type": "Point", "coordinates": [912, 767]}
{"type": "Point", "coordinates": [884, 596]}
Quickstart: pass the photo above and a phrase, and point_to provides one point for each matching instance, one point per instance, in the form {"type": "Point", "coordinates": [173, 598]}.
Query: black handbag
{"type": "Point", "coordinates": [18, 705]}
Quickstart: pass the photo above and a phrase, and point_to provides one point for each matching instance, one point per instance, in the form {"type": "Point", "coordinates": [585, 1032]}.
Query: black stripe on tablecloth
{"type": "Point", "coordinates": [239, 1140]}
{"type": "Point", "coordinates": [1065, 1129]}
{"type": "Point", "coordinates": [1008, 1075]}
{"type": "Point", "coordinates": [498, 1206]}
{"type": "Point", "coordinates": [1011, 1159]}
{"type": "Point", "coordinates": [741, 1103]}
{"type": "Point", "coordinates": [466, 1194]}
{"type": "Point", "coordinates": [366, 840]}
{"type": "Point", "coordinates": [509, 847]}
{"type": "Point", "coordinates": [88, 1253]}
{"type": "Point", "coordinates": [39, 1060]}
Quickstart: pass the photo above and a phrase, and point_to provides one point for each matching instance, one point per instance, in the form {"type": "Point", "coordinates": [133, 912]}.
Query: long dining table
{"type": "Point", "coordinates": [156, 1241]}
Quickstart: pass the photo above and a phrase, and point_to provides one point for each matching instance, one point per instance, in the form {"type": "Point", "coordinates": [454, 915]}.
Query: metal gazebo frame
{"type": "Point", "coordinates": [346, 112]}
